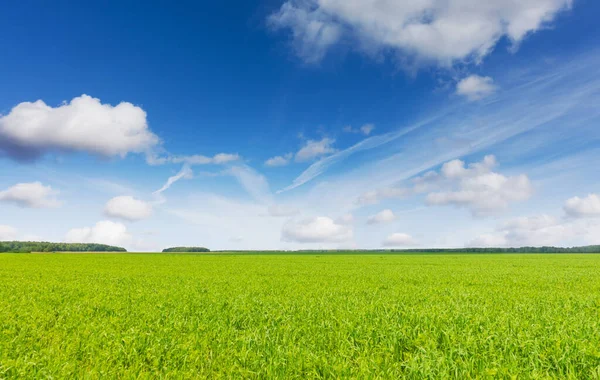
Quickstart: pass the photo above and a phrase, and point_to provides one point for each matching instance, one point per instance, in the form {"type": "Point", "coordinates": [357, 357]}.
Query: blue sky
{"type": "Point", "coordinates": [301, 124]}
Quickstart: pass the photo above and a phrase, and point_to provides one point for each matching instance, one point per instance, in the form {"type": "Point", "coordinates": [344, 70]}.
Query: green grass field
{"type": "Point", "coordinates": [299, 316]}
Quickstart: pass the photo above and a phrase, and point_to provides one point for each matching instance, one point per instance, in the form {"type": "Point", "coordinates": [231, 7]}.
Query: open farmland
{"type": "Point", "coordinates": [299, 316]}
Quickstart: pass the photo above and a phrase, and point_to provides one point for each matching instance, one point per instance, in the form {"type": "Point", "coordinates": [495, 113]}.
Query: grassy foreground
{"type": "Point", "coordinates": [375, 316]}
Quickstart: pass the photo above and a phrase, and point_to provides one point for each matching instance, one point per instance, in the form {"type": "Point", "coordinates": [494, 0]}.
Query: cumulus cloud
{"type": "Point", "coordinates": [475, 187]}
{"type": "Point", "coordinates": [319, 229]}
{"type": "Point", "coordinates": [478, 188]}
{"type": "Point", "coordinates": [456, 169]}
{"type": "Point", "coordinates": [475, 87]}
{"type": "Point", "coordinates": [399, 239]}
{"type": "Point", "coordinates": [314, 149]}
{"type": "Point", "coordinates": [575, 229]}
{"type": "Point", "coordinates": [384, 216]}
{"type": "Point", "coordinates": [313, 34]}
{"type": "Point", "coordinates": [84, 124]}
{"type": "Point", "coordinates": [536, 230]}
{"type": "Point", "coordinates": [279, 160]}
{"type": "Point", "coordinates": [104, 232]}
{"type": "Point", "coordinates": [365, 129]}
{"type": "Point", "coordinates": [7, 233]}
{"type": "Point", "coordinates": [33, 194]}
{"type": "Point", "coordinates": [441, 32]}
{"type": "Point", "coordinates": [128, 208]}
{"type": "Point", "coordinates": [583, 207]}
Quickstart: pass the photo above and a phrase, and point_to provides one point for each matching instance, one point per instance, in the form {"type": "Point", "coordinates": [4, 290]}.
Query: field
{"type": "Point", "coordinates": [299, 316]}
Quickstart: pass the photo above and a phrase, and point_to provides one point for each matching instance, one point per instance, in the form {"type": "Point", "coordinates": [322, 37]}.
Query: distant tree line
{"type": "Point", "coordinates": [583, 249]}
{"type": "Point", "coordinates": [186, 249]}
{"type": "Point", "coordinates": [43, 246]}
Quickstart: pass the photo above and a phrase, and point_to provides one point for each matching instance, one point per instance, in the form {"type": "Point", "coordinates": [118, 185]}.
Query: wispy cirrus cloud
{"type": "Point", "coordinates": [196, 159]}
{"type": "Point", "coordinates": [185, 173]}
{"type": "Point", "coordinates": [533, 103]}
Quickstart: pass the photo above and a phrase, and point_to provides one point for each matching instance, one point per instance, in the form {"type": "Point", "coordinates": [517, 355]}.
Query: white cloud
{"type": "Point", "coordinates": [253, 182]}
{"type": "Point", "coordinates": [478, 188]}
{"type": "Point", "coordinates": [223, 158]}
{"type": "Point", "coordinates": [84, 124]}
{"type": "Point", "coordinates": [541, 230]}
{"type": "Point", "coordinates": [475, 87]}
{"type": "Point", "coordinates": [319, 167]}
{"type": "Point", "coordinates": [314, 149]}
{"type": "Point", "coordinates": [196, 159]}
{"type": "Point", "coordinates": [487, 193]}
{"type": "Point", "coordinates": [426, 182]}
{"type": "Point", "coordinates": [475, 187]}
{"type": "Point", "coordinates": [583, 207]}
{"type": "Point", "coordinates": [437, 31]}
{"type": "Point", "coordinates": [279, 160]}
{"type": "Point", "coordinates": [104, 232]}
{"type": "Point", "coordinates": [33, 194]}
{"type": "Point", "coordinates": [384, 216]}
{"type": "Point", "coordinates": [311, 150]}
{"type": "Point", "coordinates": [320, 229]}
{"type": "Point", "coordinates": [399, 239]}
{"type": "Point", "coordinates": [279, 210]}
{"type": "Point", "coordinates": [7, 233]}
{"type": "Point", "coordinates": [128, 208]}
{"type": "Point", "coordinates": [456, 169]}
{"type": "Point", "coordinates": [365, 129]}
{"type": "Point", "coordinates": [313, 34]}
{"type": "Point", "coordinates": [185, 173]}
{"type": "Point", "coordinates": [557, 99]}
{"type": "Point", "coordinates": [537, 230]}
{"type": "Point", "coordinates": [219, 158]}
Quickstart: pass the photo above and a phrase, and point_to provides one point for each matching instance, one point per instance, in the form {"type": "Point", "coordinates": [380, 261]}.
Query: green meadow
{"type": "Point", "coordinates": [299, 316]}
